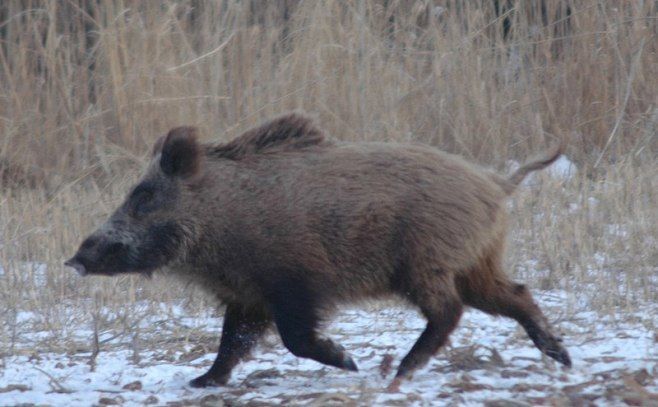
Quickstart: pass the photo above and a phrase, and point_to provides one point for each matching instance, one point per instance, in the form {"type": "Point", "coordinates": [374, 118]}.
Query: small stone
{"type": "Point", "coordinates": [151, 400]}
{"type": "Point", "coordinates": [133, 386]}
{"type": "Point", "coordinates": [14, 387]}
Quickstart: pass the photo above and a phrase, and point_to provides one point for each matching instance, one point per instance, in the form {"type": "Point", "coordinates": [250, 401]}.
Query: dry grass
{"type": "Point", "coordinates": [85, 88]}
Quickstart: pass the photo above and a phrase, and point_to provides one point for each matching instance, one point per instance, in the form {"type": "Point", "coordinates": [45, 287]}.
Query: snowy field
{"type": "Point", "coordinates": [489, 361]}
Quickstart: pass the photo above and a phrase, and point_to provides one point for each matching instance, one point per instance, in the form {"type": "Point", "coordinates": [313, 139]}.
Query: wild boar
{"type": "Point", "coordinates": [282, 224]}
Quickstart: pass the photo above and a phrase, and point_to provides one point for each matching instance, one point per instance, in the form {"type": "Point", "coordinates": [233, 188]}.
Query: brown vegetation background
{"type": "Point", "coordinates": [87, 86]}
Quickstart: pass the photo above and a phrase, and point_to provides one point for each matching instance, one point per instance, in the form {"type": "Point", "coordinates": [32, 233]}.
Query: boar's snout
{"type": "Point", "coordinates": [76, 265]}
{"type": "Point", "coordinates": [95, 254]}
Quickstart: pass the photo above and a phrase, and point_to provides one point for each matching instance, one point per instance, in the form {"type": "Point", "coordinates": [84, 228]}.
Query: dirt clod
{"type": "Point", "coordinates": [133, 386]}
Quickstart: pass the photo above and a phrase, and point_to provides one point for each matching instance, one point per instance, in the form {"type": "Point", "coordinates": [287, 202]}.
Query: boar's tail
{"type": "Point", "coordinates": [540, 162]}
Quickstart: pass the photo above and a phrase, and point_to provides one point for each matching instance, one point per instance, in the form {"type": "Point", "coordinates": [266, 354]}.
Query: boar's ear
{"type": "Point", "coordinates": [157, 147]}
{"type": "Point", "coordinates": [180, 152]}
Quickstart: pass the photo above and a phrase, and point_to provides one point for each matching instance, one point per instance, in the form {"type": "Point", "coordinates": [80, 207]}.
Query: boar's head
{"type": "Point", "coordinates": [152, 227]}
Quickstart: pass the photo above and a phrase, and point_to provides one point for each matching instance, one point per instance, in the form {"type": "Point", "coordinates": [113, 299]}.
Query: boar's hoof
{"type": "Point", "coordinates": [348, 364]}
{"type": "Point", "coordinates": [208, 381]}
{"type": "Point", "coordinates": [560, 354]}
{"type": "Point", "coordinates": [552, 347]}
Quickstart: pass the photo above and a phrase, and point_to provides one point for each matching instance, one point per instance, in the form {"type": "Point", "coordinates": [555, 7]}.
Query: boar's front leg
{"type": "Point", "coordinates": [295, 308]}
{"type": "Point", "coordinates": [242, 328]}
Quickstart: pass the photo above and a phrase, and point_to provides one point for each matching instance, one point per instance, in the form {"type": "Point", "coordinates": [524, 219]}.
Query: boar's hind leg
{"type": "Point", "coordinates": [442, 307]}
{"type": "Point", "coordinates": [295, 310]}
{"type": "Point", "coordinates": [241, 330]}
{"type": "Point", "coordinates": [515, 301]}
{"type": "Point", "coordinates": [519, 305]}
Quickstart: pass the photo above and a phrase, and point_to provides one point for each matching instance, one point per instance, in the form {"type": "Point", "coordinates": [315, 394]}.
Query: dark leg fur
{"type": "Point", "coordinates": [242, 329]}
{"type": "Point", "coordinates": [520, 306]}
{"type": "Point", "coordinates": [441, 320]}
{"type": "Point", "coordinates": [515, 301]}
{"type": "Point", "coordinates": [434, 292]}
{"type": "Point", "coordinates": [295, 311]}
{"type": "Point", "coordinates": [440, 323]}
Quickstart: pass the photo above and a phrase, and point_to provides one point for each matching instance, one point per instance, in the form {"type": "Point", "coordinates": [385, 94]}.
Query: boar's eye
{"type": "Point", "coordinates": [142, 201]}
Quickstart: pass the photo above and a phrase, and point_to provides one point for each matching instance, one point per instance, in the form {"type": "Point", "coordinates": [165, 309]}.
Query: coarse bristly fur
{"type": "Point", "coordinates": [282, 224]}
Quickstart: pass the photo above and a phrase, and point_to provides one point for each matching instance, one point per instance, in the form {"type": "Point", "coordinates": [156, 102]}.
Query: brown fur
{"type": "Point", "coordinates": [282, 224]}
{"type": "Point", "coordinates": [286, 133]}
{"type": "Point", "coordinates": [535, 164]}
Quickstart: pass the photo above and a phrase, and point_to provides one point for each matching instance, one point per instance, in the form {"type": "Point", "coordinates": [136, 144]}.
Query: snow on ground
{"type": "Point", "coordinates": [489, 360]}
{"type": "Point", "coordinates": [562, 169]}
